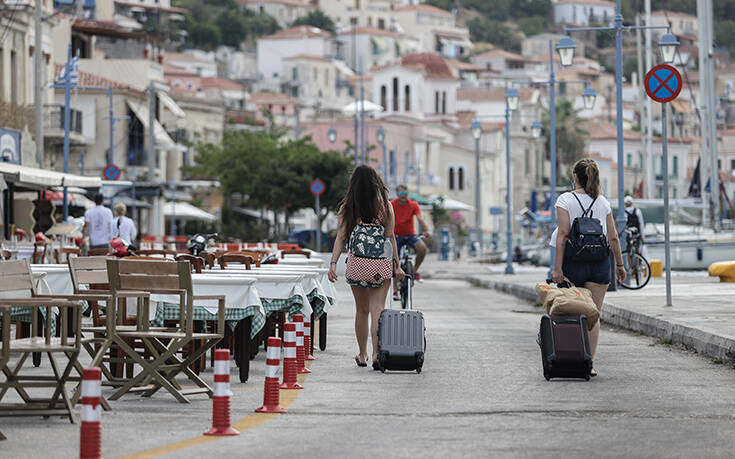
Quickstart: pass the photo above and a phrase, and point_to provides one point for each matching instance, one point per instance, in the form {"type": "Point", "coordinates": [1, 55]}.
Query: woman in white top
{"type": "Point", "coordinates": [122, 226]}
{"type": "Point", "coordinates": [595, 275]}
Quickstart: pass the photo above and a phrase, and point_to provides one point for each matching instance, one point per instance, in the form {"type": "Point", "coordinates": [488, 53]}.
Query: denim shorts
{"type": "Point", "coordinates": [580, 272]}
{"type": "Point", "coordinates": [410, 240]}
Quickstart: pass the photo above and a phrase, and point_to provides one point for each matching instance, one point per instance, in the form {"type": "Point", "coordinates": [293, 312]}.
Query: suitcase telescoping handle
{"type": "Point", "coordinates": [409, 293]}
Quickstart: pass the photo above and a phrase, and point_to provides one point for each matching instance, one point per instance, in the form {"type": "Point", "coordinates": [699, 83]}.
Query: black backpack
{"type": "Point", "coordinates": [633, 220]}
{"type": "Point", "coordinates": [586, 240]}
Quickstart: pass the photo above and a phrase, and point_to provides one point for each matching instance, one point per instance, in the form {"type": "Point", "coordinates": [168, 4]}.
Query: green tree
{"type": "Point", "coordinates": [232, 28]}
{"type": "Point", "coordinates": [725, 35]}
{"type": "Point", "coordinates": [570, 133]}
{"type": "Point", "coordinates": [443, 4]}
{"type": "Point", "coordinates": [206, 36]}
{"type": "Point", "coordinates": [532, 25]}
{"type": "Point", "coordinates": [316, 18]}
{"type": "Point", "coordinates": [497, 33]}
{"type": "Point", "coordinates": [258, 25]}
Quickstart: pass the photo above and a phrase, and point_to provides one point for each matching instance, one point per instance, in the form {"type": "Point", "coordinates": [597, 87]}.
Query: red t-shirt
{"type": "Point", "coordinates": [404, 217]}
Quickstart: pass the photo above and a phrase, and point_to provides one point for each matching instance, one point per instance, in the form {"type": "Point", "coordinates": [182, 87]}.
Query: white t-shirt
{"type": "Point", "coordinates": [126, 229]}
{"type": "Point", "coordinates": [600, 210]}
{"type": "Point", "coordinates": [99, 219]}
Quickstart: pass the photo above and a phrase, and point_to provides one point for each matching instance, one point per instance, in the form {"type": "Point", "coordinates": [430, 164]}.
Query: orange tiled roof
{"type": "Point", "coordinates": [433, 64]}
{"type": "Point", "coordinates": [299, 32]}
{"type": "Point", "coordinates": [90, 79]}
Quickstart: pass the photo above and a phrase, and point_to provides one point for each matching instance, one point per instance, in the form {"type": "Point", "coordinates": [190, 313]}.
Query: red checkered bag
{"type": "Point", "coordinates": [363, 270]}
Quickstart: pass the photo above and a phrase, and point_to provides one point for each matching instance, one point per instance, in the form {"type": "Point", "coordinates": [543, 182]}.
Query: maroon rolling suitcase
{"type": "Point", "coordinates": [565, 347]}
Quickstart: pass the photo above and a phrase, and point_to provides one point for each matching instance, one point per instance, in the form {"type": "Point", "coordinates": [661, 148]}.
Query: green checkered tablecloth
{"type": "Point", "coordinates": [21, 314]}
{"type": "Point", "coordinates": [291, 305]}
{"type": "Point", "coordinates": [171, 311]}
{"type": "Point", "coordinates": [317, 302]}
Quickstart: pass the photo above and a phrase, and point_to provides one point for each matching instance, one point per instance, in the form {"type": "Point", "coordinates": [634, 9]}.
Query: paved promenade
{"type": "Point", "coordinates": [702, 315]}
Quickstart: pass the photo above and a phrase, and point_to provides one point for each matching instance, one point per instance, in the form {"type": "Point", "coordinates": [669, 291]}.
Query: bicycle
{"type": "Point", "coordinates": [405, 258]}
{"type": "Point", "coordinates": [637, 268]}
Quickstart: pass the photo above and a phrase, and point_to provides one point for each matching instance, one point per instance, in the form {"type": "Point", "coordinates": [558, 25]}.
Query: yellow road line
{"type": "Point", "coordinates": [287, 397]}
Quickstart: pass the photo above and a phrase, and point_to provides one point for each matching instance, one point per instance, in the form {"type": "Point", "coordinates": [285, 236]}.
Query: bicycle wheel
{"type": "Point", "coordinates": [638, 272]}
{"type": "Point", "coordinates": [408, 269]}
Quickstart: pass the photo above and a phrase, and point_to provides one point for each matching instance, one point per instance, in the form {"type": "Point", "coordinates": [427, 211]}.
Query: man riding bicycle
{"type": "Point", "coordinates": [405, 209]}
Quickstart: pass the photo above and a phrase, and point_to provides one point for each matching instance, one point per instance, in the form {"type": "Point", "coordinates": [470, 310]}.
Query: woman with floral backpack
{"type": "Point", "coordinates": [366, 224]}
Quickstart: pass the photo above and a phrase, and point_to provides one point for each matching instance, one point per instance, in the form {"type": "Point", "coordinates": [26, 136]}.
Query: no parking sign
{"type": "Point", "coordinates": [663, 83]}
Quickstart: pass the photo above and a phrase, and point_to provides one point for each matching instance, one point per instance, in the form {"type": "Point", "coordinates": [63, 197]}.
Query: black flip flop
{"type": "Point", "coordinates": [593, 373]}
{"type": "Point", "coordinates": [360, 364]}
{"type": "Point", "coordinates": [376, 366]}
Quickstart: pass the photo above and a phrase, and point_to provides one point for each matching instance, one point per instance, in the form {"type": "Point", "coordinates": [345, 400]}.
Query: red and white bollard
{"type": "Point", "coordinates": [221, 401]}
{"type": "Point", "coordinates": [290, 370]}
{"type": "Point", "coordinates": [90, 440]}
{"type": "Point", "coordinates": [300, 351]}
{"type": "Point", "coordinates": [307, 341]}
{"type": "Point", "coordinates": [271, 391]}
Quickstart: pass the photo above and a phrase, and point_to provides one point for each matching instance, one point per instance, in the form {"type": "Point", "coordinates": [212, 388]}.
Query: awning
{"type": "Point", "coordinates": [163, 140]}
{"type": "Point", "coordinates": [171, 105]}
{"type": "Point", "coordinates": [451, 204]}
{"type": "Point", "coordinates": [369, 107]}
{"type": "Point", "coordinates": [41, 178]}
{"type": "Point", "coordinates": [185, 211]}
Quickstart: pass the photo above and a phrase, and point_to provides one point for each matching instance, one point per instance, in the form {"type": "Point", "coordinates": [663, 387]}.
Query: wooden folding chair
{"type": "Point", "coordinates": [97, 252]}
{"type": "Point", "coordinates": [197, 263]}
{"type": "Point", "coordinates": [17, 288]}
{"type": "Point", "coordinates": [39, 252]}
{"type": "Point", "coordinates": [68, 251]}
{"type": "Point", "coordinates": [233, 257]}
{"type": "Point", "coordinates": [167, 278]}
{"type": "Point", "coordinates": [257, 256]}
{"type": "Point", "coordinates": [295, 252]}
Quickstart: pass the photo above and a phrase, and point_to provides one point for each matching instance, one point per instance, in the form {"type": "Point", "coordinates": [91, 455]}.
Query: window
{"type": "Point", "coordinates": [676, 165]}
{"type": "Point", "coordinates": [451, 178]}
{"type": "Point", "coordinates": [13, 77]}
{"type": "Point", "coordinates": [357, 4]}
{"type": "Point", "coordinates": [261, 10]}
{"type": "Point", "coordinates": [136, 141]}
{"type": "Point", "coordinates": [381, 24]}
{"type": "Point", "coordinates": [444, 102]}
{"type": "Point", "coordinates": [719, 164]}
{"type": "Point", "coordinates": [396, 107]}
{"type": "Point", "coordinates": [316, 74]}
{"type": "Point", "coordinates": [628, 160]}
{"type": "Point", "coordinates": [384, 97]}
{"type": "Point", "coordinates": [326, 77]}
{"type": "Point", "coordinates": [407, 95]}
{"type": "Point", "coordinates": [436, 101]}
{"type": "Point", "coordinates": [732, 164]}
{"type": "Point", "coordinates": [295, 73]}
{"type": "Point", "coordinates": [353, 21]}
{"type": "Point", "coordinates": [370, 21]}
{"type": "Point", "coordinates": [527, 163]}
{"type": "Point", "coordinates": [460, 178]}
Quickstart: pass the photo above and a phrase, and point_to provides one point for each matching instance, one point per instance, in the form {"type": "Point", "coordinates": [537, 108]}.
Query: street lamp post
{"type": "Point", "coordinates": [380, 137]}
{"type": "Point", "coordinates": [476, 129]}
{"type": "Point", "coordinates": [512, 98]}
{"type": "Point", "coordinates": [566, 53]}
{"type": "Point", "coordinates": [172, 186]}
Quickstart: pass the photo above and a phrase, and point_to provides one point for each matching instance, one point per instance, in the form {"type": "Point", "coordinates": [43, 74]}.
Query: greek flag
{"type": "Point", "coordinates": [73, 68]}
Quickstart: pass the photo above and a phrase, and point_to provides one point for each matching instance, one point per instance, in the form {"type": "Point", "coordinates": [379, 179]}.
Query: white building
{"type": "Point", "coordinates": [373, 47]}
{"type": "Point", "coordinates": [681, 24]}
{"type": "Point", "coordinates": [359, 13]}
{"type": "Point", "coordinates": [435, 29]}
{"type": "Point", "coordinates": [291, 42]}
{"type": "Point", "coordinates": [317, 80]}
{"type": "Point", "coordinates": [421, 85]}
{"type": "Point", "coordinates": [584, 12]}
{"type": "Point", "coordinates": [285, 12]}
{"type": "Point", "coordinates": [203, 64]}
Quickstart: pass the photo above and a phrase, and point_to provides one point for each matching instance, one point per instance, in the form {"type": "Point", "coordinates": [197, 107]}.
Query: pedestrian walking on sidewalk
{"type": "Point", "coordinates": [586, 200]}
{"type": "Point", "coordinates": [366, 225]}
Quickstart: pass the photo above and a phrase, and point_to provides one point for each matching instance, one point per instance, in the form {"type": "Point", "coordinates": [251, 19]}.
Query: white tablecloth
{"type": "Point", "coordinates": [300, 260]}
{"type": "Point", "coordinates": [275, 286]}
{"type": "Point", "coordinates": [326, 287]}
{"type": "Point", "coordinates": [57, 278]}
{"type": "Point", "coordinates": [239, 291]}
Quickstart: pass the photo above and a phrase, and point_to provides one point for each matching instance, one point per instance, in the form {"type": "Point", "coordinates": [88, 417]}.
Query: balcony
{"type": "Point", "coordinates": [53, 124]}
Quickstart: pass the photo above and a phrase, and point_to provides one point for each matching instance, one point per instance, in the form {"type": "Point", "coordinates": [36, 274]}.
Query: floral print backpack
{"type": "Point", "coordinates": [367, 265]}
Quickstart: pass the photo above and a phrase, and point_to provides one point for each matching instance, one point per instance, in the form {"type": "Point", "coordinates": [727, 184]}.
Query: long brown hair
{"type": "Point", "coordinates": [588, 176]}
{"type": "Point", "coordinates": [366, 200]}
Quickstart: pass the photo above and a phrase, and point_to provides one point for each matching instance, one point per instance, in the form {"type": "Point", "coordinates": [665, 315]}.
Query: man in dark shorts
{"type": "Point", "coordinates": [405, 209]}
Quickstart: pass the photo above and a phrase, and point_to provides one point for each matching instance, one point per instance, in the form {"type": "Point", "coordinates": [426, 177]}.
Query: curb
{"type": "Point", "coordinates": [705, 343]}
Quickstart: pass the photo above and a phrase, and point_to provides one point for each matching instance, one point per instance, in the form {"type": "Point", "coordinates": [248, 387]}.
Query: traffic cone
{"type": "Point", "coordinates": [289, 357]}
{"type": "Point", "coordinates": [271, 391]}
{"type": "Point", "coordinates": [307, 341]}
{"type": "Point", "coordinates": [90, 441]}
{"type": "Point", "coordinates": [300, 351]}
{"type": "Point", "coordinates": [221, 401]}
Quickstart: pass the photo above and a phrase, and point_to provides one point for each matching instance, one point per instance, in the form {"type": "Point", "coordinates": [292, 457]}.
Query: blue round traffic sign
{"type": "Point", "coordinates": [663, 83]}
{"type": "Point", "coordinates": [317, 187]}
{"type": "Point", "coordinates": [111, 172]}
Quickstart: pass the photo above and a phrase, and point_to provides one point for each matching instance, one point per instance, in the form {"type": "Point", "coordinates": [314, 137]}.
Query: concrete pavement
{"type": "Point", "coordinates": [481, 394]}
{"type": "Point", "coordinates": [701, 318]}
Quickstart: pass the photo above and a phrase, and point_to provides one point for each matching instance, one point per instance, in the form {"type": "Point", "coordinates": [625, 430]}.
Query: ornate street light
{"type": "Point", "coordinates": [332, 135]}
{"type": "Point", "coordinates": [667, 45]}
{"type": "Point", "coordinates": [476, 129]}
{"type": "Point", "coordinates": [536, 128]}
{"type": "Point", "coordinates": [588, 97]}
{"type": "Point", "coordinates": [513, 98]}
{"type": "Point", "coordinates": [380, 135]}
{"type": "Point", "coordinates": [565, 48]}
